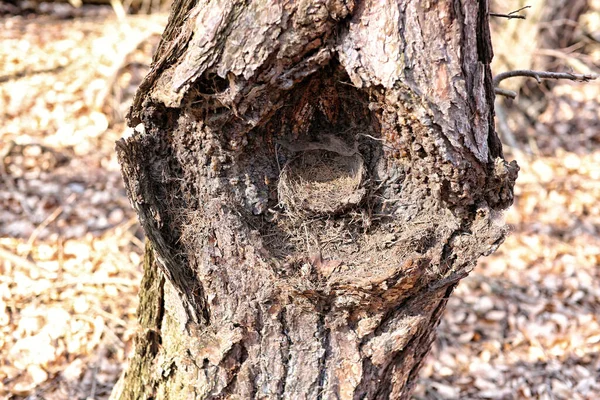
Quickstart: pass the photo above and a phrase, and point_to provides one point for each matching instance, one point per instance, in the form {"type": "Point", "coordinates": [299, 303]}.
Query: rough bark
{"type": "Point", "coordinates": [314, 177]}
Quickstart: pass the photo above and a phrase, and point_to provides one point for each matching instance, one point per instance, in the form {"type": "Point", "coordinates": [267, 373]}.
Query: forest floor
{"type": "Point", "coordinates": [525, 324]}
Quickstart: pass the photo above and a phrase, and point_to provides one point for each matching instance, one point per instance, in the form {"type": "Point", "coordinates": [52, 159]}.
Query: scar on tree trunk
{"type": "Point", "coordinates": [314, 178]}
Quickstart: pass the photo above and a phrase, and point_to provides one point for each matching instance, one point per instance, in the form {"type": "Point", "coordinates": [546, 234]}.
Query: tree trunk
{"type": "Point", "coordinates": [314, 178]}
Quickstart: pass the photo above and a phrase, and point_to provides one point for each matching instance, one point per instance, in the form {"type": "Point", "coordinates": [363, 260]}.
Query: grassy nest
{"type": "Point", "coordinates": [321, 182]}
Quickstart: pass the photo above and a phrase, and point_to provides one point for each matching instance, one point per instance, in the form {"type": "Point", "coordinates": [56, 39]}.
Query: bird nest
{"type": "Point", "coordinates": [321, 182]}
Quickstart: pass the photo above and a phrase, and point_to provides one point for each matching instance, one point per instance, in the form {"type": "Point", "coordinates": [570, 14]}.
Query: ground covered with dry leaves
{"type": "Point", "coordinates": [70, 245]}
{"type": "Point", "coordinates": [524, 324]}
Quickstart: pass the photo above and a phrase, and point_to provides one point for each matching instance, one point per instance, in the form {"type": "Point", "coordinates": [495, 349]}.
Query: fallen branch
{"type": "Point", "coordinates": [512, 14]}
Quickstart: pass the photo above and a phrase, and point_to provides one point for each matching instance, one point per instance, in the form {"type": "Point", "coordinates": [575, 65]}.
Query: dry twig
{"type": "Point", "coordinates": [538, 76]}
{"type": "Point", "coordinates": [512, 14]}
{"type": "Point", "coordinates": [505, 93]}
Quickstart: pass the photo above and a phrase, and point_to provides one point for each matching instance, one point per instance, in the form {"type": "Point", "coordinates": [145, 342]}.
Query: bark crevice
{"type": "Point", "coordinates": [324, 333]}
{"type": "Point", "coordinates": [285, 353]}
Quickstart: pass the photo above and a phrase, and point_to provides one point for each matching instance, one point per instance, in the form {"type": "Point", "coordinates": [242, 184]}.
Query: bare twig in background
{"type": "Point", "coordinates": [505, 92]}
{"type": "Point", "coordinates": [539, 75]}
{"type": "Point", "coordinates": [577, 61]}
{"type": "Point", "coordinates": [512, 14]}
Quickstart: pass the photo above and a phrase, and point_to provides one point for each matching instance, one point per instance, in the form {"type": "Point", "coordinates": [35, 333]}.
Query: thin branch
{"type": "Point", "coordinates": [539, 75]}
{"type": "Point", "coordinates": [507, 16]}
{"type": "Point", "coordinates": [505, 92]}
{"type": "Point", "coordinates": [512, 14]}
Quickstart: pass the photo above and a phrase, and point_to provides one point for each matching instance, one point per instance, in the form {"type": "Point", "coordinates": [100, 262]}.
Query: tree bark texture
{"type": "Point", "coordinates": [314, 178]}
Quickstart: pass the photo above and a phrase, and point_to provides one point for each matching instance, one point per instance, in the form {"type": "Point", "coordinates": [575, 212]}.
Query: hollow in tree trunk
{"type": "Point", "coordinates": [314, 178]}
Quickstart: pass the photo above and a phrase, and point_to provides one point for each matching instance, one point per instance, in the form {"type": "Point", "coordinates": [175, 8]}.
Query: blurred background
{"type": "Point", "coordinates": [523, 325]}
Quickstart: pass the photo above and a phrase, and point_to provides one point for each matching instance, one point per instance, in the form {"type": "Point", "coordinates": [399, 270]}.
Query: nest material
{"type": "Point", "coordinates": [321, 182]}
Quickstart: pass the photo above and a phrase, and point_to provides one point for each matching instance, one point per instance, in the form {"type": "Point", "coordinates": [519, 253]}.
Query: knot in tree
{"type": "Point", "coordinates": [314, 178]}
